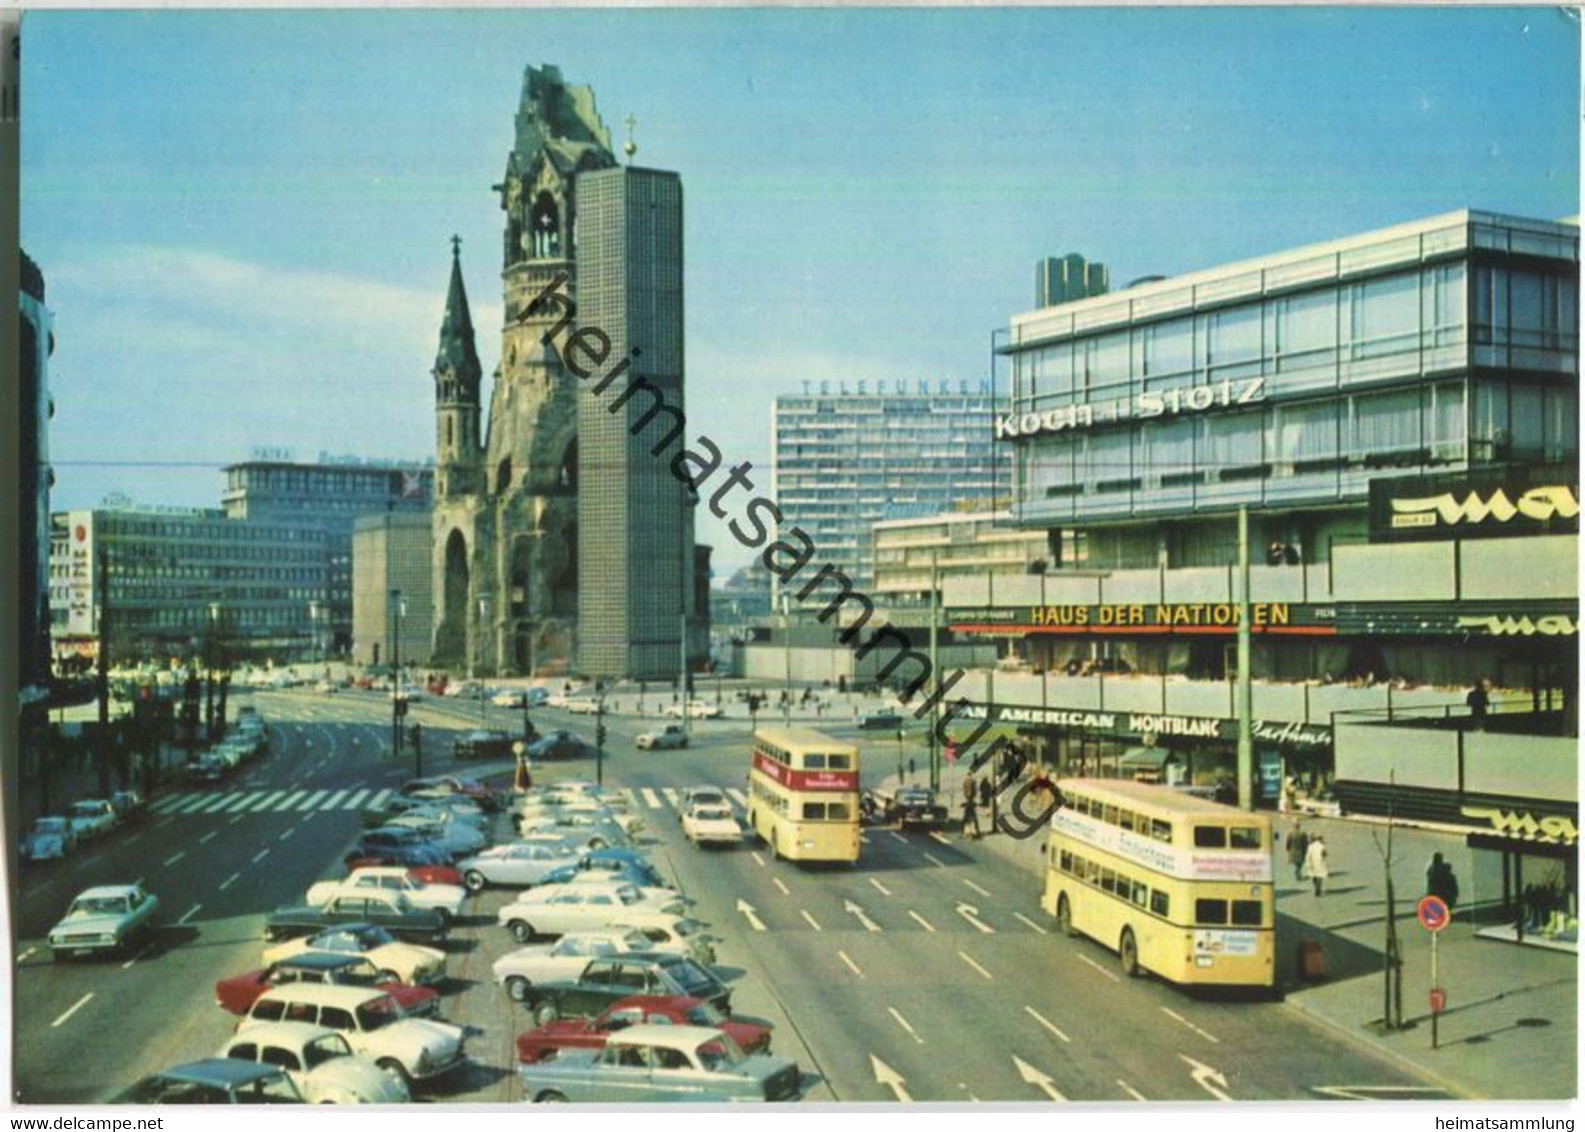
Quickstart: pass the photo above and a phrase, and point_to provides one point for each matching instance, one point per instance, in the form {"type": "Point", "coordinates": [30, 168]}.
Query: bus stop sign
{"type": "Point", "coordinates": [1433, 914]}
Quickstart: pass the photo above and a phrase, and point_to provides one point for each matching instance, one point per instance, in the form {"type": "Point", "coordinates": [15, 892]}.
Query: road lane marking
{"type": "Point", "coordinates": [976, 966]}
{"type": "Point", "coordinates": [937, 835]}
{"type": "Point", "coordinates": [924, 923]}
{"type": "Point", "coordinates": [898, 836]}
{"type": "Point", "coordinates": [173, 858]}
{"type": "Point", "coordinates": [287, 835]}
{"type": "Point", "coordinates": [312, 800]}
{"type": "Point", "coordinates": [813, 923]}
{"type": "Point", "coordinates": [864, 839]}
{"type": "Point", "coordinates": [937, 862]}
{"type": "Point", "coordinates": [238, 801]}
{"type": "Point", "coordinates": [236, 819]}
{"type": "Point", "coordinates": [31, 950]}
{"type": "Point", "coordinates": [651, 799]}
{"type": "Point", "coordinates": [215, 803]}
{"type": "Point", "coordinates": [758, 860]}
{"type": "Point", "coordinates": [886, 1076]}
{"type": "Point", "coordinates": [739, 797]}
{"type": "Point", "coordinates": [135, 958]}
{"type": "Point", "coordinates": [265, 802]}
{"type": "Point", "coordinates": [1031, 923]}
{"type": "Point", "coordinates": [777, 882]}
{"type": "Point", "coordinates": [75, 1007]}
{"type": "Point", "coordinates": [880, 888]}
{"type": "Point", "coordinates": [260, 855]}
{"type": "Point", "coordinates": [287, 802]}
{"type": "Point", "coordinates": [1176, 1017]}
{"type": "Point", "coordinates": [356, 800]}
{"type": "Point", "coordinates": [166, 805]}
{"type": "Point", "coordinates": [333, 801]}
{"type": "Point", "coordinates": [972, 914]}
{"type": "Point", "coordinates": [1098, 967]}
{"type": "Point", "coordinates": [748, 913]}
{"type": "Point", "coordinates": [163, 822]}
{"type": "Point", "coordinates": [975, 887]}
{"type": "Point", "coordinates": [903, 1022]}
{"type": "Point", "coordinates": [210, 836]}
{"type": "Point", "coordinates": [229, 881]}
{"type": "Point", "coordinates": [191, 803]}
{"type": "Point", "coordinates": [842, 955]}
{"type": "Point", "coordinates": [674, 798]}
{"type": "Point", "coordinates": [1040, 1080]}
{"type": "Point", "coordinates": [380, 799]}
{"type": "Point", "coordinates": [1038, 1017]}
{"type": "Point", "coordinates": [1130, 1090]}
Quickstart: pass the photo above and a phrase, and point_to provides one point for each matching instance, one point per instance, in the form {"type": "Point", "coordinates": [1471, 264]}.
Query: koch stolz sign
{"type": "Point", "coordinates": [1140, 407]}
{"type": "Point", "coordinates": [1301, 735]}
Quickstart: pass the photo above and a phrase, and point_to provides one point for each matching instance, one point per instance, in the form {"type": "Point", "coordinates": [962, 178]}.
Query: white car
{"type": "Point", "coordinates": [711, 825]}
{"type": "Point", "coordinates": [447, 898]}
{"type": "Point", "coordinates": [320, 1063]}
{"type": "Point", "coordinates": [582, 705]}
{"type": "Point", "coordinates": [589, 813]}
{"type": "Point", "coordinates": [697, 709]}
{"type": "Point", "coordinates": [519, 864]}
{"type": "Point", "coordinates": [597, 830]}
{"type": "Point", "coordinates": [682, 935]}
{"type": "Point", "coordinates": [670, 736]}
{"type": "Point", "coordinates": [417, 1049]}
{"type": "Point", "coordinates": [456, 838]}
{"type": "Point", "coordinates": [556, 909]}
{"type": "Point", "coordinates": [565, 959]}
{"type": "Point", "coordinates": [403, 962]}
{"type": "Point", "coordinates": [91, 818]}
{"type": "Point", "coordinates": [703, 796]}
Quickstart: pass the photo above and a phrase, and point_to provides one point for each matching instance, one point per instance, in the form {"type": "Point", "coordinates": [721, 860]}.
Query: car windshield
{"type": "Point", "coordinates": [85, 810]}
{"type": "Point", "coordinates": [713, 813]}
{"type": "Point", "coordinates": [370, 938]}
{"type": "Point", "coordinates": [720, 1052]}
{"type": "Point", "coordinates": [705, 1014]}
{"type": "Point", "coordinates": [324, 1049]}
{"type": "Point", "coordinates": [692, 978]}
{"type": "Point", "coordinates": [98, 906]}
{"type": "Point", "coordinates": [377, 1013]}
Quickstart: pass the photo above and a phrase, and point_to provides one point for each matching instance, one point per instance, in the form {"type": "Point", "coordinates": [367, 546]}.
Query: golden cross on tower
{"type": "Point", "coordinates": [630, 147]}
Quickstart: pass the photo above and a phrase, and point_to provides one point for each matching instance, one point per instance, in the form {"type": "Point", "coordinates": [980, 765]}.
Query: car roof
{"type": "Point", "coordinates": [678, 1002]}
{"type": "Point", "coordinates": [228, 1072]}
{"type": "Point", "coordinates": [107, 890]}
{"type": "Point", "coordinates": [676, 1037]}
{"type": "Point", "coordinates": [324, 994]}
{"type": "Point", "coordinates": [297, 1033]}
{"type": "Point", "coordinates": [323, 960]}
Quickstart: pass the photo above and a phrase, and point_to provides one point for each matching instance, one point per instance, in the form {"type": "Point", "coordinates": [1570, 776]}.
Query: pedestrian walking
{"type": "Point", "coordinates": [970, 788]}
{"type": "Point", "coordinates": [986, 791]}
{"type": "Point", "coordinates": [1440, 881]}
{"type": "Point", "coordinates": [1478, 700]}
{"type": "Point", "coordinates": [1316, 866]}
{"type": "Point", "coordinates": [1298, 842]}
{"type": "Point", "coordinates": [971, 817]}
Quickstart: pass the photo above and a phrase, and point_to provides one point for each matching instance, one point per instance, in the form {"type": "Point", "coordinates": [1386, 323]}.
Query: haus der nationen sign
{"type": "Point", "coordinates": [1143, 617]}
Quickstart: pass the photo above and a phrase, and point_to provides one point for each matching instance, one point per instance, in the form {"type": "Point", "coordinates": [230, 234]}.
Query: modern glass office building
{"type": "Point", "coordinates": [844, 460]}
{"type": "Point", "coordinates": [1287, 383]}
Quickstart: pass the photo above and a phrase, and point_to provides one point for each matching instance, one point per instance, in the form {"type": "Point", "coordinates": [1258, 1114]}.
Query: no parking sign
{"type": "Point", "coordinates": [1433, 913]}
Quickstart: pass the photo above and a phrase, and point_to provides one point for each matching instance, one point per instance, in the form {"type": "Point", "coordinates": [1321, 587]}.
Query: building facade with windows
{"type": "Point", "coordinates": [180, 576]}
{"type": "Point", "coordinates": [35, 408]}
{"type": "Point", "coordinates": [846, 460]}
{"type": "Point", "coordinates": [908, 552]}
{"type": "Point", "coordinates": [328, 496]}
{"type": "Point", "coordinates": [392, 553]}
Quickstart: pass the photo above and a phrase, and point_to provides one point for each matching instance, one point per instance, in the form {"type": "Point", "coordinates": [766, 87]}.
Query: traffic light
{"type": "Point", "coordinates": [401, 705]}
{"type": "Point", "coordinates": [599, 735]}
{"type": "Point", "coordinates": [418, 735]}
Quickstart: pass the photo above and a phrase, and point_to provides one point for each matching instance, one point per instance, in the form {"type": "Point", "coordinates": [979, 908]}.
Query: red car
{"type": "Point", "coordinates": [590, 1033]}
{"type": "Point", "coordinates": [427, 874]}
{"type": "Point", "coordinates": [238, 993]}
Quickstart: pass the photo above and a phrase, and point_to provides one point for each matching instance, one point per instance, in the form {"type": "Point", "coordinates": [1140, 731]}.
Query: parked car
{"type": "Point", "coordinates": [394, 961]}
{"type": "Point", "coordinates": [682, 935]}
{"type": "Point", "coordinates": [50, 839]}
{"type": "Point", "coordinates": [650, 1063]}
{"type": "Point", "coordinates": [429, 874]}
{"type": "Point", "coordinates": [446, 898]}
{"type": "Point", "coordinates": [582, 705]}
{"type": "Point", "coordinates": [237, 994]}
{"type": "Point", "coordinates": [594, 830]}
{"type": "Point", "coordinates": [419, 1049]}
{"type": "Point", "coordinates": [484, 745]}
{"type": "Point", "coordinates": [518, 970]}
{"type": "Point", "coordinates": [448, 784]}
{"type": "Point", "coordinates": [389, 910]}
{"type": "Point", "coordinates": [883, 720]}
{"type": "Point", "coordinates": [520, 864]}
{"type": "Point", "coordinates": [661, 1010]}
{"type": "Point", "coordinates": [696, 709]}
{"type": "Point", "coordinates": [129, 806]}
{"type": "Point", "coordinates": [107, 918]}
{"type": "Point", "coordinates": [208, 767]}
{"type": "Point", "coordinates": [455, 837]}
{"type": "Point", "coordinates": [711, 825]}
{"type": "Point", "coordinates": [604, 980]}
{"type": "Point", "coordinates": [507, 698]}
{"type": "Point", "coordinates": [559, 745]}
{"type": "Point", "coordinates": [618, 859]}
{"type": "Point", "coordinates": [91, 818]}
{"type": "Point", "coordinates": [214, 1080]}
{"type": "Point", "coordinates": [666, 737]}
{"type": "Point", "coordinates": [320, 1063]}
{"type": "Point", "coordinates": [558, 909]}
{"type": "Point", "coordinates": [916, 807]}
{"type": "Point", "coordinates": [641, 876]}
{"type": "Point", "coordinates": [407, 846]}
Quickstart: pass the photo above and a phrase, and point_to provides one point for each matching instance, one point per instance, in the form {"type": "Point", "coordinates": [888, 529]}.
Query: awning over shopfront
{"type": "Point", "coordinates": [1146, 758]}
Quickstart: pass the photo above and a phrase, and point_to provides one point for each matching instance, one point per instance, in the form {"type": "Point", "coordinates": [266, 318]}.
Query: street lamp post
{"type": "Point", "coordinates": [786, 658]}
{"type": "Point", "coordinates": [599, 738]}
{"type": "Point", "coordinates": [398, 609]}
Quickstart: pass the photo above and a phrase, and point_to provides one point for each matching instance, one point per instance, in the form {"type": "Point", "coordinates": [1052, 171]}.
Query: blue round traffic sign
{"type": "Point", "coordinates": [1433, 913]}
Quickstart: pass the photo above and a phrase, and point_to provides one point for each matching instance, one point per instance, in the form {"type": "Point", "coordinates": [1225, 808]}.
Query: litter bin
{"type": "Point", "coordinates": [1312, 961]}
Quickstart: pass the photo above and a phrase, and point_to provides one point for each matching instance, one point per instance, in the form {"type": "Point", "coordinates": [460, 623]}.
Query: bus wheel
{"type": "Point", "coordinates": [1128, 953]}
{"type": "Point", "coordinates": [1064, 916]}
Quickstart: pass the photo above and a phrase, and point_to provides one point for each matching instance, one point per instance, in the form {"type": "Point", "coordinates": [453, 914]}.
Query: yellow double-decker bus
{"type": "Point", "coordinates": [804, 795]}
{"type": "Point", "coordinates": [1177, 885]}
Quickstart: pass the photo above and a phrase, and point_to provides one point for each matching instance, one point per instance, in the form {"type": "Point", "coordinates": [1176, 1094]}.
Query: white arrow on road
{"type": "Point", "coordinates": [1035, 1077]}
{"type": "Point", "coordinates": [886, 1075]}
{"type": "Point", "coordinates": [969, 912]}
{"type": "Point", "coordinates": [1204, 1075]}
{"type": "Point", "coordinates": [748, 912]}
{"type": "Point", "coordinates": [869, 924]}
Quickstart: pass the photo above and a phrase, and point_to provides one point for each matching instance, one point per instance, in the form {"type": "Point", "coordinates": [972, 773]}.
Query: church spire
{"type": "Point", "coordinates": [457, 361]}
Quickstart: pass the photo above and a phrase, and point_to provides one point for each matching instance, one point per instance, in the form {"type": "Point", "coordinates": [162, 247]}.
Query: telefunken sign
{"type": "Point", "coordinates": [923, 387]}
{"type": "Point", "coordinates": [1141, 406]}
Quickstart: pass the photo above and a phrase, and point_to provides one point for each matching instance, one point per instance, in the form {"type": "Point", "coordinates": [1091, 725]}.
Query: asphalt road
{"type": "Point", "coordinates": [925, 972]}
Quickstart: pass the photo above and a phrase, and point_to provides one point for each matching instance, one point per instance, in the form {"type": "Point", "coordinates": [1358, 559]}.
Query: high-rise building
{"type": "Point", "coordinates": [561, 538]}
{"type": "Point", "coordinates": [328, 496]}
{"type": "Point", "coordinates": [1067, 279]}
{"type": "Point", "coordinates": [884, 450]}
{"type": "Point", "coordinates": [33, 544]}
{"type": "Point", "coordinates": [392, 606]}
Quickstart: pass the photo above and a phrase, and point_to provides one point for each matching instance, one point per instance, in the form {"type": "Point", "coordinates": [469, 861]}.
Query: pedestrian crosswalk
{"type": "Point", "coordinates": [269, 801]}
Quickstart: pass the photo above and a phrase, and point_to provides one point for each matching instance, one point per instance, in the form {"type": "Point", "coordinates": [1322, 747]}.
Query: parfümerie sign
{"type": "Point", "coordinates": [1223, 394]}
{"type": "Point", "coordinates": [1277, 732]}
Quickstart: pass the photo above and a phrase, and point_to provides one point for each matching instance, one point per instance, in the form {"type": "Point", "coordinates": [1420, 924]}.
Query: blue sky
{"type": "Point", "coordinates": [243, 217]}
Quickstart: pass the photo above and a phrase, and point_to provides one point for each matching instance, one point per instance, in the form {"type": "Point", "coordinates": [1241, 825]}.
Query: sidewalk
{"type": "Point", "coordinates": [1511, 1026]}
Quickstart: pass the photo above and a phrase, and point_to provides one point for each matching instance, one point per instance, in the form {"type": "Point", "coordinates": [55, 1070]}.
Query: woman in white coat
{"type": "Point", "coordinates": [1315, 862]}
